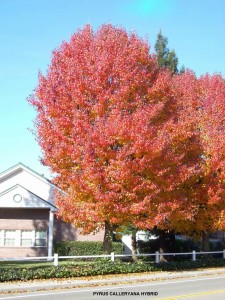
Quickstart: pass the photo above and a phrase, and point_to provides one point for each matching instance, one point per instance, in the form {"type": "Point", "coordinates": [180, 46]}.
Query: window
{"type": "Point", "coordinates": [40, 238]}
{"type": "Point", "coordinates": [10, 238]}
{"type": "Point", "coordinates": [26, 238]}
{"type": "Point", "coordinates": [1, 237]}
{"type": "Point", "coordinates": [23, 238]}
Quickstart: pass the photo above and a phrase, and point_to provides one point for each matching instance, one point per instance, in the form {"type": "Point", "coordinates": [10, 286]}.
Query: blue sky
{"type": "Point", "coordinates": [31, 29]}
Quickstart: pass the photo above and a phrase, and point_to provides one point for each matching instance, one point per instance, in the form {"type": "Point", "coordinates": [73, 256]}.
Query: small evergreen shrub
{"type": "Point", "coordinates": [180, 246]}
{"type": "Point", "coordinates": [102, 268]}
{"type": "Point", "coordinates": [186, 246]}
{"type": "Point", "coordinates": [151, 246]}
{"type": "Point", "coordinates": [216, 245]}
{"type": "Point", "coordinates": [75, 248]}
{"type": "Point", "coordinates": [146, 247]}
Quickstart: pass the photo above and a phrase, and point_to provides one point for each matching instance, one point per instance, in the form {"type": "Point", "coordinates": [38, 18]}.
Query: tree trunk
{"type": "Point", "coordinates": [166, 244]}
{"type": "Point", "coordinates": [205, 241]}
{"type": "Point", "coordinates": [162, 247]}
{"type": "Point", "coordinates": [107, 243]}
{"type": "Point", "coordinates": [134, 245]}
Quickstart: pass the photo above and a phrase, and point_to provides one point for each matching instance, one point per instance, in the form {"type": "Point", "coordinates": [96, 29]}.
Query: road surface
{"type": "Point", "coordinates": [210, 287]}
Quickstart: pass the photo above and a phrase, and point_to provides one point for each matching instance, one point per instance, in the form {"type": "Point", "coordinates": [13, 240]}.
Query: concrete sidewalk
{"type": "Point", "coordinates": [65, 283]}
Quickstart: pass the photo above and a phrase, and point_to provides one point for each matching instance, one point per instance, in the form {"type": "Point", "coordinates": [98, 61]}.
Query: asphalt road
{"type": "Point", "coordinates": [210, 287]}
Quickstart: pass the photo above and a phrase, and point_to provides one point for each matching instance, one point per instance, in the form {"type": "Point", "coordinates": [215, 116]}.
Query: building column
{"type": "Point", "coordinates": [50, 233]}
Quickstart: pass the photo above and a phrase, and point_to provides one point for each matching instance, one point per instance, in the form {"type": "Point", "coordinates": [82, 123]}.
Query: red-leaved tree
{"type": "Point", "coordinates": [197, 198]}
{"type": "Point", "coordinates": [123, 137]}
{"type": "Point", "coordinates": [212, 129]}
{"type": "Point", "coordinates": [93, 109]}
{"type": "Point", "coordinates": [195, 150]}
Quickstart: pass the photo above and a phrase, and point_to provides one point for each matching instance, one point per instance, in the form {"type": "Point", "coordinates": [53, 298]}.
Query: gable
{"type": "Point", "coordinates": [29, 180]}
{"type": "Point", "coordinates": [19, 197]}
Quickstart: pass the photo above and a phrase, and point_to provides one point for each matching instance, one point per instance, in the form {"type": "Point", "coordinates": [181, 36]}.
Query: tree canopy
{"type": "Point", "coordinates": [131, 143]}
{"type": "Point", "coordinates": [166, 58]}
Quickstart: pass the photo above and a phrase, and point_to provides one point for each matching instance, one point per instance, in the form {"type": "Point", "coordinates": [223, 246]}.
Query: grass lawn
{"type": "Point", "coordinates": [38, 264]}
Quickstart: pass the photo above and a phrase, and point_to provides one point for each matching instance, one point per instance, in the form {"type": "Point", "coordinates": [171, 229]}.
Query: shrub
{"type": "Point", "coordinates": [102, 268]}
{"type": "Point", "coordinates": [74, 248]}
{"type": "Point", "coordinates": [150, 246]}
{"type": "Point", "coordinates": [216, 245]}
{"type": "Point", "coordinates": [180, 246]}
{"type": "Point", "coordinates": [186, 246]}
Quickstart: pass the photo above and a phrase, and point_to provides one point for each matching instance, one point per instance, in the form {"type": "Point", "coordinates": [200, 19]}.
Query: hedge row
{"type": "Point", "coordinates": [102, 268]}
{"type": "Point", "coordinates": [73, 248]}
{"type": "Point", "coordinates": [151, 246]}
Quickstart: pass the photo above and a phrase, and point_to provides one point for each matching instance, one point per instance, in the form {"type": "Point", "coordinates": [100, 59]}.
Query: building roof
{"type": "Point", "coordinates": [21, 166]}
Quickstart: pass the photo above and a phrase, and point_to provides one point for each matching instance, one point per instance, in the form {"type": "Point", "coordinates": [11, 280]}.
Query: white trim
{"type": "Point", "coordinates": [19, 167]}
{"type": "Point", "coordinates": [2, 237]}
{"type": "Point", "coordinates": [18, 236]}
{"type": "Point", "coordinates": [50, 233]}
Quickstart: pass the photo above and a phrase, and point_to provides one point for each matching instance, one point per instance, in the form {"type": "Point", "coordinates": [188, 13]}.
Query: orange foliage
{"type": "Point", "coordinates": [130, 143]}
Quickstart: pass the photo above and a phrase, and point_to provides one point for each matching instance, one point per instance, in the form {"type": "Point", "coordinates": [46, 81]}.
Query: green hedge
{"type": "Point", "coordinates": [150, 246]}
{"type": "Point", "coordinates": [70, 248]}
{"type": "Point", "coordinates": [100, 268]}
{"type": "Point", "coordinates": [180, 246]}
